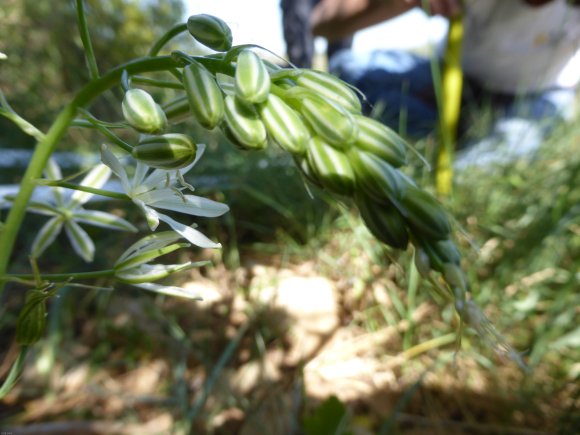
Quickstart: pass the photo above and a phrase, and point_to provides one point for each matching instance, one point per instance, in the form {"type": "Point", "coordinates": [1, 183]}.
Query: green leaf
{"type": "Point", "coordinates": [330, 418]}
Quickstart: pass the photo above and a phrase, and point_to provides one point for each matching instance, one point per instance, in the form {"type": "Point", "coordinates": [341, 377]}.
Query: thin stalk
{"type": "Point", "coordinates": [171, 33]}
{"type": "Point", "coordinates": [45, 147]}
{"type": "Point", "coordinates": [86, 39]}
{"type": "Point", "coordinates": [62, 277]}
{"type": "Point", "coordinates": [148, 81]}
{"type": "Point", "coordinates": [214, 375]}
{"type": "Point", "coordinates": [106, 132]}
{"type": "Point", "coordinates": [93, 190]}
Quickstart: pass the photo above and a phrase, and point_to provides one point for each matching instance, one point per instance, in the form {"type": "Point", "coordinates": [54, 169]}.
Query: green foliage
{"type": "Point", "coordinates": [328, 418]}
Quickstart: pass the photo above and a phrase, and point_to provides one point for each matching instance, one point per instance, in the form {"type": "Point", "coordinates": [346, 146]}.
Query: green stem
{"type": "Point", "coordinates": [106, 132]}
{"type": "Point", "coordinates": [60, 277]}
{"type": "Point", "coordinates": [86, 39]}
{"type": "Point", "coordinates": [171, 33]}
{"type": "Point", "coordinates": [83, 123]}
{"type": "Point", "coordinates": [45, 147]}
{"type": "Point", "coordinates": [140, 80]}
{"type": "Point", "coordinates": [93, 190]}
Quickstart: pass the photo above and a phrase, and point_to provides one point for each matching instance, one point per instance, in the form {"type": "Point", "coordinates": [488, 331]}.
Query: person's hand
{"type": "Point", "coordinates": [447, 8]}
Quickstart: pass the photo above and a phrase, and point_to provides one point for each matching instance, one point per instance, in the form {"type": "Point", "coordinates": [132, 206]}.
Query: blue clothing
{"type": "Point", "coordinates": [399, 89]}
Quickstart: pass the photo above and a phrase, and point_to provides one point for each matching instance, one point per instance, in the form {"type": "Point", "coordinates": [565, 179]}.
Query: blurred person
{"type": "Point", "coordinates": [298, 36]}
{"type": "Point", "coordinates": [519, 57]}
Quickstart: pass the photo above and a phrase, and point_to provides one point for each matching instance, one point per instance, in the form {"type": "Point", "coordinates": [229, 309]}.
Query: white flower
{"type": "Point", "coordinates": [68, 213]}
{"type": "Point", "coordinates": [156, 189]}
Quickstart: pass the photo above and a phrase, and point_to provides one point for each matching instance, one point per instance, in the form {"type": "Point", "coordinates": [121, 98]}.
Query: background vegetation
{"type": "Point", "coordinates": [308, 326]}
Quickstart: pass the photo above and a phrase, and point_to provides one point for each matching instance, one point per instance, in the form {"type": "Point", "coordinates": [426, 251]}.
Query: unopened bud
{"type": "Point", "coordinates": [168, 151]}
{"type": "Point", "coordinates": [205, 96]}
{"type": "Point", "coordinates": [252, 78]}
{"type": "Point", "coordinates": [244, 125]}
{"type": "Point", "coordinates": [142, 112]}
{"type": "Point", "coordinates": [330, 166]}
{"type": "Point", "coordinates": [330, 87]}
{"type": "Point", "coordinates": [211, 31]}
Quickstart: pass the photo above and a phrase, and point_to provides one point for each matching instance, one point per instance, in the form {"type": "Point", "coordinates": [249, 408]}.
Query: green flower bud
{"type": "Point", "coordinates": [284, 125]}
{"type": "Point", "coordinates": [142, 112]}
{"type": "Point", "coordinates": [376, 177]}
{"type": "Point", "coordinates": [330, 166]}
{"type": "Point", "coordinates": [252, 78]}
{"type": "Point", "coordinates": [378, 139]}
{"type": "Point", "coordinates": [330, 87]}
{"type": "Point", "coordinates": [425, 214]}
{"type": "Point", "coordinates": [211, 31]}
{"type": "Point", "coordinates": [330, 121]}
{"type": "Point", "coordinates": [244, 125]}
{"type": "Point", "coordinates": [169, 151]}
{"type": "Point", "coordinates": [205, 97]}
{"type": "Point", "coordinates": [32, 318]}
{"type": "Point", "coordinates": [383, 221]}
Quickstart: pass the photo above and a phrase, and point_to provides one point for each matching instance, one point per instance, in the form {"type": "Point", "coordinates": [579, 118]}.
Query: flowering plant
{"type": "Point", "coordinates": [312, 115]}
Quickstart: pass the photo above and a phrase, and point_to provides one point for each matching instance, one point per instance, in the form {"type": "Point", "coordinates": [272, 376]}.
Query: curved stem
{"type": "Point", "coordinates": [171, 33]}
{"type": "Point", "coordinates": [45, 147]}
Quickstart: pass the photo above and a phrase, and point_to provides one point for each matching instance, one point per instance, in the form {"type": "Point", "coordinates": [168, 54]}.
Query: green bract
{"type": "Point", "coordinates": [380, 140]}
{"type": "Point", "coordinates": [330, 166]}
{"type": "Point", "coordinates": [252, 78]}
{"type": "Point", "coordinates": [330, 87]}
{"type": "Point", "coordinates": [284, 125]}
{"type": "Point", "coordinates": [244, 125]}
{"type": "Point", "coordinates": [205, 97]}
{"type": "Point", "coordinates": [211, 31]}
{"type": "Point", "coordinates": [168, 151]}
{"type": "Point", "coordinates": [142, 112]}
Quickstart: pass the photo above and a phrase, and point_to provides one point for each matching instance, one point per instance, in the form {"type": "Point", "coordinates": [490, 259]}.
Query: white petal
{"type": "Point", "coordinates": [103, 220]}
{"type": "Point", "coordinates": [109, 159]}
{"type": "Point", "coordinates": [52, 172]}
{"type": "Point", "coordinates": [80, 241]}
{"type": "Point", "coordinates": [96, 178]}
{"type": "Point", "coordinates": [188, 233]}
{"type": "Point", "coordinates": [193, 205]}
{"type": "Point", "coordinates": [151, 215]}
{"type": "Point", "coordinates": [168, 290]}
{"type": "Point", "coordinates": [46, 236]}
{"type": "Point", "coordinates": [140, 172]}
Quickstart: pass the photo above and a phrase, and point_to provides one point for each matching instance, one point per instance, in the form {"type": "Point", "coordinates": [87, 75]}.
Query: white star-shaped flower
{"type": "Point", "coordinates": [68, 213]}
{"type": "Point", "coordinates": [157, 189]}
